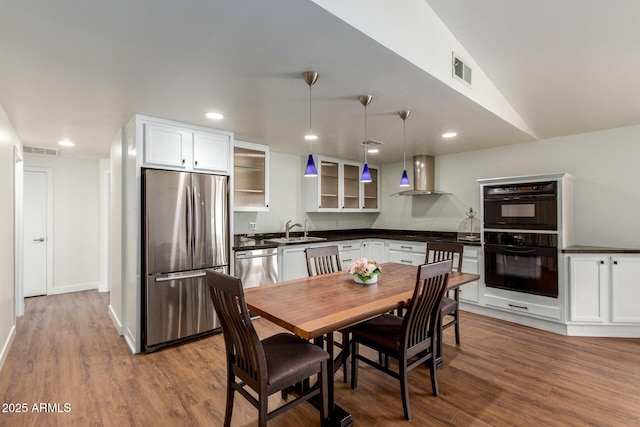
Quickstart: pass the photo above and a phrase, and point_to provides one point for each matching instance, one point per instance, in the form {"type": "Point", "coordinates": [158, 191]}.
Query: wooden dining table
{"type": "Point", "coordinates": [317, 306]}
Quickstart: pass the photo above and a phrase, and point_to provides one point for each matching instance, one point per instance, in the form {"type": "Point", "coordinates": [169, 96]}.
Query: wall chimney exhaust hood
{"type": "Point", "coordinates": [423, 177]}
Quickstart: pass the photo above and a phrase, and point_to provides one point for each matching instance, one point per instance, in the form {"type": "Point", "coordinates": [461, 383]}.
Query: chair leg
{"type": "Point", "coordinates": [404, 387]}
{"type": "Point", "coordinates": [229, 408]}
{"type": "Point", "coordinates": [439, 337]}
{"type": "Point", "coordinates": [263, 410]}
{"type": "Point", "coordinates": [346, 368]}
{"type": "Point", "coordinates": [433, 372]}
{"type": "Point", "coordinates": [323, 397]}
{"type": "Point", "coordinates": [354, 364]}
{"type": "Point", "coordinates": [457, 326]}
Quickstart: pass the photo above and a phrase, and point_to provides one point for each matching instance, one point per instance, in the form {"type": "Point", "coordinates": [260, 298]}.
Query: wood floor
{"type": "Point", "coordinates": [67, 355]}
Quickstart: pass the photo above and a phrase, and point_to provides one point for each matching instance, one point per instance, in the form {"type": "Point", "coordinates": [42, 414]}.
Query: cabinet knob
{"type": "Point", "coordinates": [601, 262]}
{"type": "Point", "coordinates": [196, 163]}
{"type": "Point", "coordinates": [615, 262]}
{"type": "Point", "coordinates": [183, 161]}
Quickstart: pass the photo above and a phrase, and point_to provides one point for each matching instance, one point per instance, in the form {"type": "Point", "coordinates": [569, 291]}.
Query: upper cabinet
{"type": "Point", "coordinates": [251, 177]}
{"type": "Point", "coordinates": [338, 188]}
{"type": "Point", "coordinates": [184, 147]}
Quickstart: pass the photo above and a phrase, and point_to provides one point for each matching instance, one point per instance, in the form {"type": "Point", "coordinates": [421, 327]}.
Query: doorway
{"type": "Point", "coordinates": [37, 236]}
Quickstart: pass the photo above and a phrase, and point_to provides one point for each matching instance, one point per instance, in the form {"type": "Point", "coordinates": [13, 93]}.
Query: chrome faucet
{"type": "Point", "coordinates": [306, 228]}
{"type": "Point", "coordinates": [288, 227]}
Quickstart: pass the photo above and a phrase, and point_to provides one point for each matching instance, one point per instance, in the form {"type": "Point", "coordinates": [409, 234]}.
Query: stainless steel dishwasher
{"type": "Point", "coordinates": [257, 267]}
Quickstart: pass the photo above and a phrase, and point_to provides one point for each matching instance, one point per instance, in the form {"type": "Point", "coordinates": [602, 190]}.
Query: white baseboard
{"type": "Point", "coordinates": [116, 321]}
{"type": "Point", "coordinates": [72, 288]}
{"type": "Point", "coordinates": [545, 325]}
{"type": "Point", "coordinates": [7, 346]}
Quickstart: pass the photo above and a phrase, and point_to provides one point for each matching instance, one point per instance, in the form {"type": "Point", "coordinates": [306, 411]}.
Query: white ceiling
{"type": "Point", "coordinates": [80, 70]}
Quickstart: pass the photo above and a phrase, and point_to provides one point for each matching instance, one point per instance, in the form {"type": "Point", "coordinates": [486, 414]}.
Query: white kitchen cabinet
{"type": "Point", "coordinates": [410, 253]}
{"type": "Point", "coordinates": [588, 288]}
{"type": "Point", "coordinates": [211, 152]}
{"type": "Point", "coordinates": [349, 251]}
{"type": "Point", "coordinates": [371, 191]}
{"type": "Point", "coordinates": [604, 288]}
{"type": "Point", "coordinates": [251, 177]}
{"type": "Point", "coordinates": [625, 289]}
{"type": "Point", "coordinates": [167, 146]}
{"type": "Point", "coordinates": [471, 261]}
{"type": "Point", "coordinates": [337, 188]}
{"type": "Point", "coordinates": [178, 146]}
{"type": "Point", "coordinates": [292, 262]}
{"type": "Point", "coordinates": [374, 249]}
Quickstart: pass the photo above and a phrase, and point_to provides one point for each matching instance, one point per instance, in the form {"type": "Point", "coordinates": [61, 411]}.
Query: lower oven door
{"type": "Point", "coordinates": [528, 269]}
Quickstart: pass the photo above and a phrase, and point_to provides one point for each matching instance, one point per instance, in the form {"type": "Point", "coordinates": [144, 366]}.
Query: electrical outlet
{"type": "Point", "coordinates": [252, 226]}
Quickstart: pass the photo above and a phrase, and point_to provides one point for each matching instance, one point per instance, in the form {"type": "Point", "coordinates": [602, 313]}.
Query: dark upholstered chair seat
{"type": "Point", "coordinates": [382, 332]}
{"type": "Point", "coordinates": [290, 359]}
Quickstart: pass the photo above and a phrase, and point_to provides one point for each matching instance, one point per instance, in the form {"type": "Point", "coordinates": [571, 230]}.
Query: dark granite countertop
{"type": "Point", "coordinates": [259, 241]}
{"type": "Point", "coordinates": [583, 249]}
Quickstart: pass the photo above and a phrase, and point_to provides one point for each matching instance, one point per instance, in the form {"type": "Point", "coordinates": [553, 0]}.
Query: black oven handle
{"type": "Point", "coordinates": [522, 198]}
{"type": "Point", "coordinates": [520, 250]}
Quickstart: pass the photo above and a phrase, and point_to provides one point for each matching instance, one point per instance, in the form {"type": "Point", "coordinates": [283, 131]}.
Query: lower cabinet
{"type": "Point", "coordinates": [407, 253]}
{"type": "Point", "coordinates": [349, 252]}
{"type": "Point", "coordinates": [471, 262]}
{"type": "Point", "coordinates": [604, 288]}
{"type": "Point", "coordinates": [374, 249]}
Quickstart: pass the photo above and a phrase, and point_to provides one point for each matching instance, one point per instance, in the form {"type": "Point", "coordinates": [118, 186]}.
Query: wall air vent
{"type": "Point", "coordinates": [41, 150]}
{"type": "Point", "coordinates": [460, 70]}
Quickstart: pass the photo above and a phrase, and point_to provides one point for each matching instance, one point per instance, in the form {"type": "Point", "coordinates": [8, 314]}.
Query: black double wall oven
{"type": "Point", "coordinates": [521, 237]}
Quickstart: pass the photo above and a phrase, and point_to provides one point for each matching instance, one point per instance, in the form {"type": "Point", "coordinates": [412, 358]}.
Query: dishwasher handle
{"type": "Point", "coordinates": [246, 255]}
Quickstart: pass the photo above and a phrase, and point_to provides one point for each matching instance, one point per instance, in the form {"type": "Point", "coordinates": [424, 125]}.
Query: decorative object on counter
{"type": "Point", "coordinates": [404, 181]}
{"type": "Point", "coordinates": [365, 271]}
{"type": "Point", "coordinates": [366, 175]}
{"type": "Point", "coordinates": [469, 228]}
{"type": "Point", "coordinates": [310, 77]}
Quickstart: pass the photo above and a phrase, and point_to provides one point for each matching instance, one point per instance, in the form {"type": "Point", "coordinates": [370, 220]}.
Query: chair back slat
{"type": "Point", "coordinates": [418, 328]}
{"type": "Point", "coordinates": [322, 260]}
{"type": "Point", "coordinates": [243, 347]}
{"type": "Point", "coordinates": [437, 251]}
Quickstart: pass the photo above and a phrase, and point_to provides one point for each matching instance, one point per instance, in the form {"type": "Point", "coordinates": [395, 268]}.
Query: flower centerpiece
{"type": "Point", "coordinates": [365, 270]}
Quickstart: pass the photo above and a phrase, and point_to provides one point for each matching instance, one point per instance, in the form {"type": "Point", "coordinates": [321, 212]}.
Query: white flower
{"type": "Point", "coordinates": [364, 267]}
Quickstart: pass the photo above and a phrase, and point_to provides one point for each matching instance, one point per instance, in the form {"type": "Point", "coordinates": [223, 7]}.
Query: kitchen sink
{"type": "Point", "coordinates": [295, 239]}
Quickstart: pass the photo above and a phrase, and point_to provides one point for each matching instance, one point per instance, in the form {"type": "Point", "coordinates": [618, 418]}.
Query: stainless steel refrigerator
{"type": "Point", "coordinates": [185, 231]}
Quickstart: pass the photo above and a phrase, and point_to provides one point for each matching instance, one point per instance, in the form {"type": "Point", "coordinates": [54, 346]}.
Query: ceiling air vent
{"type": "Point", "coordinates": [41, 150]}
{"type": "Point", "coordinates": [461, 71]}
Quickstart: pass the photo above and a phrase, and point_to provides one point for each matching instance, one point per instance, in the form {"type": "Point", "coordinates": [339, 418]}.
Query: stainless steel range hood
{"type": "Point", "coordinates": [423, 177]}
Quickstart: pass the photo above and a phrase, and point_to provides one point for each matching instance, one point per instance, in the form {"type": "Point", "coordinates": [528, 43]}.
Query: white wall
{"type": "Point", "coordinates": [8, 139]}
{"type": "Point", "coordinates": [76, 221]}
{"type": "Point", "coordinates": [606, 190]}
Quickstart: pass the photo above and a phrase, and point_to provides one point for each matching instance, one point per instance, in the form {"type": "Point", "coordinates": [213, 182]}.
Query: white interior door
{"type": "Point", "coordinates": [35, 233]}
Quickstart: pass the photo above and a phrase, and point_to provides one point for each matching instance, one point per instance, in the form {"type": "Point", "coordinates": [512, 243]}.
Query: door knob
{"type": "Point", "coordinates": [40, 240]}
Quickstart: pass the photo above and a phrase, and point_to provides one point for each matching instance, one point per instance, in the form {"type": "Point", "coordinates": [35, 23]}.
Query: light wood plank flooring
{"type": "Point", "coordinates": [67, 351]}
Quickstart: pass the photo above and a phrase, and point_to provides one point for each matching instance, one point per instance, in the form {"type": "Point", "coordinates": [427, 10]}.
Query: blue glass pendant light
{"type": "Point", "coordinates": [404, 181]}
{"type": "Point", "coordinates": [310, 78]}
{"type": "Point", "coordinates": [366, 175]}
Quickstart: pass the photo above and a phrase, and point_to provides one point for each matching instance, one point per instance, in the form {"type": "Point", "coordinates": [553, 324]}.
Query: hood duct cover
{"type": "Point", "coordinates": [423, 177]}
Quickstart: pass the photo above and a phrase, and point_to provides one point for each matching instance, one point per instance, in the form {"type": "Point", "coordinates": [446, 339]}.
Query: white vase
{"type": "Point", "coordinates": [371, 281]}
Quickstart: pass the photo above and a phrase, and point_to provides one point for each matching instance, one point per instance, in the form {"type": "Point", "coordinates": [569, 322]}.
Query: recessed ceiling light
{"type": "Point", "coordinates": [449, 135]}
{"type": "Point", "coordinates": [66, 143]}
{"type": "Point", "coordinates": [373, 151]}
{"type": "Point", "coordinates": [310, 137]}
{"type": "Point", "coordinates": [214, 116]}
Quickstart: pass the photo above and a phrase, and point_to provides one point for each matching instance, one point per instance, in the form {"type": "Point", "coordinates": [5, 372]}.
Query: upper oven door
{"type": "Point", "coordinates": [530, 212]}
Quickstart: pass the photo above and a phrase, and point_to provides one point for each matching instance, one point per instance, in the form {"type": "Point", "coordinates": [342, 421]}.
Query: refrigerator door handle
{"type": "Point", "coordinates": [167, 278]}
{"type": "Point", "coordinates": [188, 209]}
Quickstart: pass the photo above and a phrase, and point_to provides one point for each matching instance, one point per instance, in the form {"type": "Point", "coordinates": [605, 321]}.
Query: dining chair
{"type": "Point", "coordinates": [324, 260]}
{"type": "Point", "coordinates": [409, 339]}
{"type": "Point", "coordinates": [449, 313]}
{"type": "Point", "coordinates": [266, 366]}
